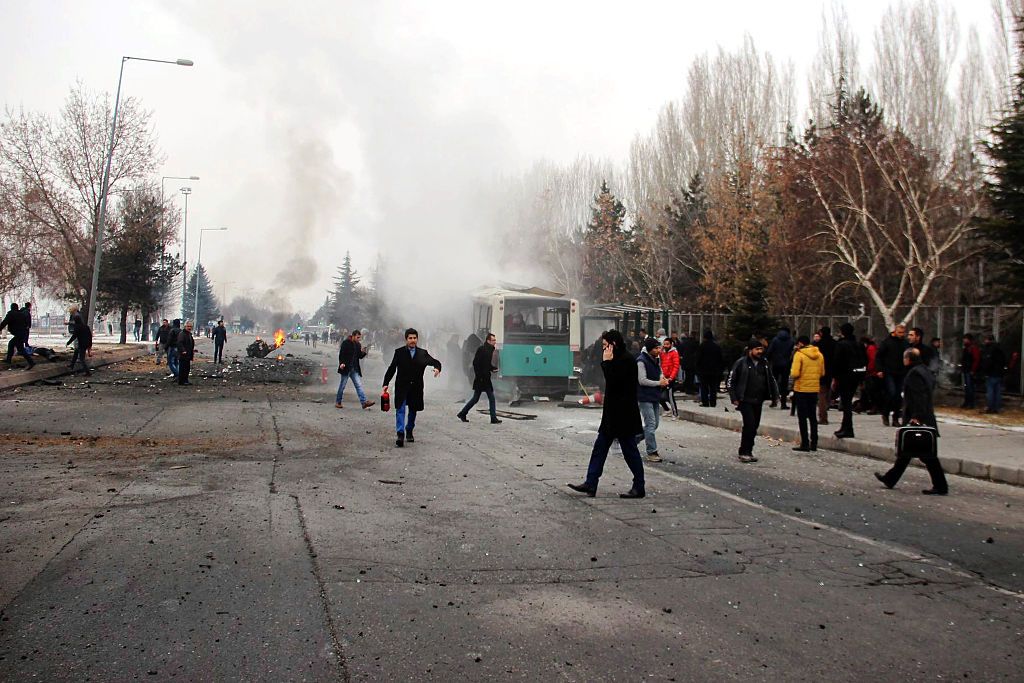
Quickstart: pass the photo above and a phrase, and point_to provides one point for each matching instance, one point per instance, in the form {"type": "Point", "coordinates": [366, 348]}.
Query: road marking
{"type": "Point", "coordinates": [852, 535]}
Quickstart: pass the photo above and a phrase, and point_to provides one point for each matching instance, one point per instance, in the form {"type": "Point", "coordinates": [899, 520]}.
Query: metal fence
{"type": "Point", "coordinates": [948, 323]}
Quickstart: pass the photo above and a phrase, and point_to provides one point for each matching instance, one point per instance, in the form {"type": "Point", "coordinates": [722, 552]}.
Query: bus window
{"type": "Point", "coordinates": [532, 317]}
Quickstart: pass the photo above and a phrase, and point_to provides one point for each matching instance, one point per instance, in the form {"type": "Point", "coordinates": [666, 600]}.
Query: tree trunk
{"type": "Point", "coordinates": [124, 324]}
{"type": "Point", "coordinates": [146, 315]}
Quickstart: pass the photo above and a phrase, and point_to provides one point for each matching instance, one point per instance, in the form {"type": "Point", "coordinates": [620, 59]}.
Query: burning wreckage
{"type": "Point", "coordinates": [260, 348]}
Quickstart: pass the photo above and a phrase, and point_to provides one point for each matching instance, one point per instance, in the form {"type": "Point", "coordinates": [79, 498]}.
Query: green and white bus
{"type": "Point", "coordinates": [538, 340]}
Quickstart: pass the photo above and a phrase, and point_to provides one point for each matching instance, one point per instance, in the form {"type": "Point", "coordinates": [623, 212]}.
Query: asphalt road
{"type": "Point", "coordinates": [245, 529]}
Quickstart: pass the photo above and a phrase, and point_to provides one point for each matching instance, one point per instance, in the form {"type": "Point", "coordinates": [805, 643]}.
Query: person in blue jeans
{"type": "Point", "coordinates": [650, 384]}
{"type": "Point", "coordinates": [993, 366]}
{"type": "Point", "coordinates": [349, 355]}
{"type": "Point", "coordinates": [483, 368]}
{"type": "Point", "coordinates": [409, 362]}
{"type": "Point", "coordinates": [172, 347]}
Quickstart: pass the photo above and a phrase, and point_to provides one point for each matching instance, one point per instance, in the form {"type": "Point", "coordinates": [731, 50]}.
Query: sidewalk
{"type": "Point", "coordinates": [984, 452]}
{"type": "Point", "coordinates": [102, 354]}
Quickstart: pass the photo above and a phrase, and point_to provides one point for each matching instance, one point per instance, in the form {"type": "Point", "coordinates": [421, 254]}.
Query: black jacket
{"type": "Point", "coordinates": [483, 367]}
{"type": "Point", "coordinates": [220, 334]}
{"type": "Point", "coordinates": [850, 360]}
{"type": "Point", "coordinates": [186, 345]}
{"type": "Point", "coordinates": [620, 415]}
{"type": "Point", "coordinates": [16, 323]}
{"type": "Point", "coordinates": [993, 360]}
{"type": "Point", "coordinates": [80, 332]}
{"type": "Point", "coordinates": [889, 358]}
{"type": "Point", "coordinates": [827, 346]}
{"type": "Point", "coordinates": [918, 388]}
{"type": "Point", "coordinates": [709, 359]}
{"type": "Point", "coordinates": [687, 348]}
{"type": "Point", "coordinates": [780, 352]}
{"type": "Point", "coordinates": [739, 377]}
{"type": "Point", "coordinates": [410, 369]}
{"type": "Point", "coordinates": [349, 355]}
{"type": "Point", "coordinates": [162, 334]}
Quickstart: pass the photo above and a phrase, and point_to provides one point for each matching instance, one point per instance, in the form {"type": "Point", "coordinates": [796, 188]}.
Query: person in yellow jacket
{"type": "Point", "coordinates": [807, 370]}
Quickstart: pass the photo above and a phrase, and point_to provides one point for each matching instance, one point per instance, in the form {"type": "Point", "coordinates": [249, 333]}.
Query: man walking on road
{"type": "Point", "coordinates": [750, 384]}
{"type": "Point", "coordinates": [780, 358]}
{"type": "Point", "coordinates": [890, 370]}
{"type": "Point", "coordinates": [186, 353]}
{"type": "Point", "coordinates": [918, 389]}
{"type": "Point", "coordinates": [409, 362]}
{"type": "Point", "coordinates": [349, 355]}
{"type": "Point", "coordinates": [650, 383]}
{"type": "Point", "coordinates": [81, 337]}
{"type": "Point", "coordinates": [850, 366]}
{"type": "Point", "coordinates": [620, 418]}
{"type": "Point", "coordinates": [483, 368]}
{"type": "Point", "coordinates": [220, 336]}
{"type": "Point", "coordinates": [807, 369]}
{"type": "Point", "coordinates": [15, 323]}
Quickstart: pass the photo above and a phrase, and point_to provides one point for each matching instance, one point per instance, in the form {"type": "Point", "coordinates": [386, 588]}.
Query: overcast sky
{"type": "Point", "coordinates": [318, 127]}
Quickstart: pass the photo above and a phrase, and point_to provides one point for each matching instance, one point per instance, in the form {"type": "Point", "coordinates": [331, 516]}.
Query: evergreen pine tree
{"type": "Point", "coordinates": [751, 317]}
{"type": "Point", "coordinates": [346, 297]}
{"type": "Point", "coordinates": [605, 244]}
{"type": "Point", "coordinates": [208, 309]}
{"type": "Point", "coordinates": [1004, 226]}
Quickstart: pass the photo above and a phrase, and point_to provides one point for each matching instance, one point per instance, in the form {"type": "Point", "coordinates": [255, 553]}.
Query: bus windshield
{"type": "Point", "coordinates": [529, 318]}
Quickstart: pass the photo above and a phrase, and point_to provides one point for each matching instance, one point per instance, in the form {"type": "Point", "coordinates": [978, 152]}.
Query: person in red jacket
{"type": "Point", "coordinates": [869, 395]}
{"type": "Point", "coordinates": [670, 369]}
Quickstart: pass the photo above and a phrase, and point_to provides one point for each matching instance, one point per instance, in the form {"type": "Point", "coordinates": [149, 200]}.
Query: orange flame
{"type": "Point", "coordinates": [278, 339]}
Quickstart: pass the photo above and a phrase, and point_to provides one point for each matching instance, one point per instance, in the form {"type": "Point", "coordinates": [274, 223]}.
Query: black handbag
{"type": "Point", "coordinates": [917, 441]}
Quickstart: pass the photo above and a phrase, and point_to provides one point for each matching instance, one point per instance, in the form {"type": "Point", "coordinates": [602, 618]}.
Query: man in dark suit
{"type": "Point", "coordinates": [186, 352]}
{"type": "Point", "coordinates": [483, 367]}
{"type": "Point", "coordinates": [918, 409]}
{"type": "Point", "coordinates": [410, 362]}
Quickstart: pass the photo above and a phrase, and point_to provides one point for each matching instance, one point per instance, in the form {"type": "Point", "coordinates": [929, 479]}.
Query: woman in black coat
{"type": "Point", "coordinates": [620, 417]}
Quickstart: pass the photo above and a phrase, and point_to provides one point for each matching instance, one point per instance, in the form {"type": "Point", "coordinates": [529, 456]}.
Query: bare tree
{"type": "Point", "coordinates": [51, 173]}
{"type": "Point", "coordinates": [837, 64]}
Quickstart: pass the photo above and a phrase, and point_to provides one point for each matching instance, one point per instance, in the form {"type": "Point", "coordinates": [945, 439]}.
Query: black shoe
{"type": "Point", "coordinates": [633, 493]}
{"type": "Point", "coordinates": [400, 441]}
{"type": "Point", "coordinates": [881, 478]}
{"type": "Point", "coordinates": [802, 449]}
{"type": "Point", "coordinates": [814, 446]}
{"type": "Point", "coordinates": [844, 435]}
{"type": "Point", "coordinates": [583, 488]}
{"type": "Point", "coordinates": [783, 407]}
{"type": "Point", "coordinates": [885, 420]}
{"type": "Point", "coordinates": [495, 421]}
{"type": "Point", "coordinates": [463, 417]}
{"type": "Point", "coordinates": [746, 457]}
{"type": "Point", "coordinates": [934, 492]}
{"type": "Point", "coordinates": [409, 437]}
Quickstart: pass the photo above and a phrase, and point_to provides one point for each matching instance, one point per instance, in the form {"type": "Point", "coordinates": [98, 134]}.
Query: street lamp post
{"type": "Point", "coordinates": [163, 213]}
{"type": "Point", "coordinates": [184, 253]}
{"type": "Point", "coordinates": [105, 183]}
{"type": "Point", "coordinates": [199, 260]}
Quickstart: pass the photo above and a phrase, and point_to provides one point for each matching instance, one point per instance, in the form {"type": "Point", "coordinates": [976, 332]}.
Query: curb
{"type": "Point", "coordinates": [867, 449]}
{"type": "Point", "coordinates": [59, 369]}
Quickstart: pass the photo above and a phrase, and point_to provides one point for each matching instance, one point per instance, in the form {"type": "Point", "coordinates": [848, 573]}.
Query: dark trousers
{"type": "Point", "coordinates": [218, 352]}
{"type": "Point", "coordinates": [184, 366]}
{"type": "Point", "coordinates": [930, 461]}
{"type": "Point", "coordinates": [782, 381]}
{"type": "Point", "coordinates": [630, 452]}
{"type": "Point", "coordinates": [824, 399]}
{"type": "Point", "coordinates": [709, 389]}
{"type": "Point", "coordinates": [847, 388]}
{"type": "Point", "coordinates": [18, 344]}
{"type": "Point", "coordinates": [668, 398]}
{"type": "Point", "coordinates": [893, 396]}
{"type": "Point", "coordinates": [476, 397]}
{"type": "Point", "coordinates": [751, 413]}
{"type": "Point", "coordinates": [806, 404]}
{"type": "Point", "coordinates": [969, 389]}
{"type": "Point", "coordinates": [79, 355]}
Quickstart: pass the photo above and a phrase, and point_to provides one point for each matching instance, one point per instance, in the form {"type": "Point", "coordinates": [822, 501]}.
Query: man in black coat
{"type": "Point", "coordinates": [848, 368]}
{"type": "Point", "coordinates": [890, 370]}
{"type": "Point", "coordinates": [15, 323]}
{"type": "Point", "coordinates": [173, 336]}
{"type": "Point", "coordinates": [709, 368]}
{"type": "Point", "coordinates": [81, 337]}
{"type": "Point", "coordinates": [483, 368]}
{"type": "Point", "coordinates": [160, 340]}
{"type": "Point", "coordinates": [349, 355]}
{"type": "Point", "coordinates": [186, 353]}
{"type": "Point", "coordinates": [827, 345]}
{"type": "Point", "coordinates": [780, 359]}
{"type": "Point", "coordinates": [918, 409]}
{"type": "Point", "coordinates": [26, 311]}
{"type": "Point", "coordinates": [410, 362]}
{"type": "Point", "coordinates": [993, 367]}
{"type": "Point", "coordinates": [750, 384]}
{"type": "Point", "coordinates": [220, 336]}
{"type": "Point", "coordinates": [620, 417]}
{"type": "Point", "coordinates": [687, 348]}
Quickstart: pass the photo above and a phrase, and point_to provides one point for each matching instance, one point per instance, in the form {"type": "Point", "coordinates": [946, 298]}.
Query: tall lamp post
{"type": "Point", "coordinates": [105, 184]}
{"type": "Point", "coordinates": [163, 213]}
{"type": "Point", "coordinates": [199, 260]}
{"type": "Point", "coordinates": [184, 253]}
